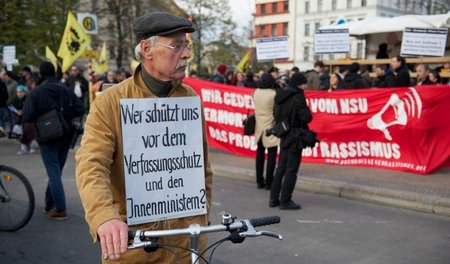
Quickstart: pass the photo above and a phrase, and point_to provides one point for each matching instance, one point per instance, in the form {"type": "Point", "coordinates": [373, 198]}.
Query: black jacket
{"type": "Point", "coordinates": [3, 94]}
{"type": "Point", "coordinates": [388, 80]}
{"type": "Point", "coordinates": [46, 97]}
{"type": "Point", "coordinates": [290, 103]}
{"type": "Point", "coordinates": [403, 79]}
{"type": "Point", "coordinates": [353, 81]}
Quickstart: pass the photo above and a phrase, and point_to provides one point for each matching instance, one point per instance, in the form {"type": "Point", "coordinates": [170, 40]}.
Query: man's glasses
{"type": "Point", "coordinates": [177, 47]}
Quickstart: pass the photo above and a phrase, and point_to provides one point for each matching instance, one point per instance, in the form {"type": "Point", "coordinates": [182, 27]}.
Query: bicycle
{"type": "Point", "coordinates": [16, 199]}
{"type": "Point", "coordinates": [239, 230]}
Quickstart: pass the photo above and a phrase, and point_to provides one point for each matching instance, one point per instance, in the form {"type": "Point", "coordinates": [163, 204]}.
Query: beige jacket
{"type": "Point", "coordinates": [264, 100]}
{"type": "Point", "coordinates": [99, 171]}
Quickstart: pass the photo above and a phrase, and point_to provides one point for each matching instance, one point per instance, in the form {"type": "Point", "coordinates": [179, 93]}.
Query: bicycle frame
{"type": "Point", "coordinates": [140, 238]}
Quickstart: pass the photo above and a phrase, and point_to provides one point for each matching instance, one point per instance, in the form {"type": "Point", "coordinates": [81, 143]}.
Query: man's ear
{"type": "Point", "coordinates": [146, 50]}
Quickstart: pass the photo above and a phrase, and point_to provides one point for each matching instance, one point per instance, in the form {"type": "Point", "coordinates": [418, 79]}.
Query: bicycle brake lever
{"type": "Point", "coordinates": [255, 233]}
{"type": "Point", "coordinates": [271, 234]}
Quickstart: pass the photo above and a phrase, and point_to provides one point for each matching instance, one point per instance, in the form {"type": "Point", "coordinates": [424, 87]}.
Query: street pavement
{"type": "Point", "coordinates": [423, 193]}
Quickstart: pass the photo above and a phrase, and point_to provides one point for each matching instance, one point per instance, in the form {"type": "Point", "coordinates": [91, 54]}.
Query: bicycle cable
{"type": "Point", "coordinates": [199, 256]}
{"type": "Point", "coordinates": [214, 249]}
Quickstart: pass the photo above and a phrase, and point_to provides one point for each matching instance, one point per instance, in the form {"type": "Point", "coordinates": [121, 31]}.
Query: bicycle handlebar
{"type": "Point", "coordinates": [246, 226]}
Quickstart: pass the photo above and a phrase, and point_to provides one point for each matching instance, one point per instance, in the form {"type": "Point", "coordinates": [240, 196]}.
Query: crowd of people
{"type": "Point", "coordinates": [353, 76]}
{"type": "Point", "coordinates": [30, 94]}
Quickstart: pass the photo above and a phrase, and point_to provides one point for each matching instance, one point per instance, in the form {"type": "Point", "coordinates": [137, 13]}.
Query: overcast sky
{"type": "Point", "coordinates": [242, 11]}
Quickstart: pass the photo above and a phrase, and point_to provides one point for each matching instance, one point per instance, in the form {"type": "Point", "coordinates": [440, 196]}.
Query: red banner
{"type": "Point", "coordinates": [404, 129]}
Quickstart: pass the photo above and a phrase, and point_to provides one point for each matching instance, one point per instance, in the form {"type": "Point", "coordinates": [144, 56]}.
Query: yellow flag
{"type": "Point", "coordinates": [51, 57]}
{"type": "Point", "coordinates": [243, 64]}
{"type": "Point", "coordinates": [73, 43]}
{"type": "Point", "coordinates": [101, 64]}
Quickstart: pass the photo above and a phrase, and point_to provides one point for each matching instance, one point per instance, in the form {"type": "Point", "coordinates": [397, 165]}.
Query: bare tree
{"type": "Point", "coordinates": [212, 21]}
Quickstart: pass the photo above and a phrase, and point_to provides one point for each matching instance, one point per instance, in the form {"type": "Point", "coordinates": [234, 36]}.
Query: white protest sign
{"type": "Point", "coordinates": [331, 41]}
{"type": "Point", "coordinates": [424, 42]}
{"type": "Point", "coordinates": [9, 56]}
{"type": "Point", "coordinates": [88, 22]}
{"type": "Point", "coordinates": [272, 48]}
{"type": "Point", "coordinates": [163, 158]}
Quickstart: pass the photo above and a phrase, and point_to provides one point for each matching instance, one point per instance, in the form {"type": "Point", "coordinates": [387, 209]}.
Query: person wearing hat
{"type": "Point", "coordinates": [290, 106]}
{"type": "Point", "coordinates": [163, 52]}
{"type": "Point", "coordinates": [44, 98]}
{"type": "Point", "coordinates": [219, 77]}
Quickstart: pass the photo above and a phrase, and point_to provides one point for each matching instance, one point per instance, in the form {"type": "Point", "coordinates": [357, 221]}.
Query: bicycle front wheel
{"type": "Point", "coordinates": [16, 199]}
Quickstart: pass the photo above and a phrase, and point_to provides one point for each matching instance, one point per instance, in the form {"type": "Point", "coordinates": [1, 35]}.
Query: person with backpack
{"type": "Point", "coordinates": [290, 107]}
{"type": "Point", "coordinates": [51, 95]}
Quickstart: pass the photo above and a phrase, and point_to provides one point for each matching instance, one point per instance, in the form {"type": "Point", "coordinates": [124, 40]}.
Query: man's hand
{"type": "Point", "coordinates": [113, 238]}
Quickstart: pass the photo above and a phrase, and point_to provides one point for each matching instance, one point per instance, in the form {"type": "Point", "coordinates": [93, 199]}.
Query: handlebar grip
{"type": "Point", "coordinates": [269, 220]}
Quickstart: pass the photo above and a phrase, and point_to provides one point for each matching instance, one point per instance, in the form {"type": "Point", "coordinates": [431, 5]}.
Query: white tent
{"type": "Point", "coordinates": [375, 25]}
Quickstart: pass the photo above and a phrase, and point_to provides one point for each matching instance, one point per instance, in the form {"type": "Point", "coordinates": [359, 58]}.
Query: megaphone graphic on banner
{"type": "Point", "coordinates": [413, 108]}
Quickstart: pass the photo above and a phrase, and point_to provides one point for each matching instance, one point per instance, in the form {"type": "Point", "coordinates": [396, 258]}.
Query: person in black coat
{"type": "Point", "coordinates": [48, 96]}
{"type": "Point", "coordinates": [402, 79]}
{"type": "Point", "coordinates": [352, 79]}
{"type": "Point", "coordinates": [249, 80]}
{"type": "Point", "coordinates": [385, 78]}
{"type": "Point", "coordinates": [3, 107]}
{"type": "Point", "coordinates": [290, 105]}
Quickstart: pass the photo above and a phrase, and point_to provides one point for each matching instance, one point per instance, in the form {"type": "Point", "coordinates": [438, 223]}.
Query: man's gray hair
{"type": "Point", "coordinates": [137, 49]}
{"type": "Point", "coordinates": [426, 67]}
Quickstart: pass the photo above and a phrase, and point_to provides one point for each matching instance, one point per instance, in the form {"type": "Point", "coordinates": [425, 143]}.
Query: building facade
{"type": "Point", "coordinates": [298, 19]}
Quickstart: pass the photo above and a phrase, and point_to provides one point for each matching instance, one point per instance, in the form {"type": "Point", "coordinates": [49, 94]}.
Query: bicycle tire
{"type": "Point", "coordinates": [16, 199]}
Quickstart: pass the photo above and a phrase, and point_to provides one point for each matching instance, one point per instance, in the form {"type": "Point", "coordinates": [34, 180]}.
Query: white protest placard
{"type": "Point", "coordinates": [424, 42]}
{"type": "Point", "coordinates": [331, 41]}
{"type": "Point", "coordinates": [88, 22]}
{"type": "Point", "coordinates": [9, 56]}
{"type": "Point", "coordinates": [272, 48]}
{"type": "Point", "coordinates": [163, 158]}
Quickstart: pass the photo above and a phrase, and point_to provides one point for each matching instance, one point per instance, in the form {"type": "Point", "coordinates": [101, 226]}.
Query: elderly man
{"type": "Point", "coordinates": [422, 71]}
{"type": "Point", "coordinates": [163, 52]}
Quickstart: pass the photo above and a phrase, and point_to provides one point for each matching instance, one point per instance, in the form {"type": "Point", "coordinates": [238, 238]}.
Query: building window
{"type": "Point", "coordinates": [274, 8]}
{"type": "Point", "coordinates": [285, 29]}
{"type": "Point", "coordinates": [316, 26]}
{"type": "Point", "coordinates": [306, 29]}
{"type": "Point", "coordinates": [306, 53]}
{"type": "Point", "coordinates": [286, 6]}
{"type": "Point", "coordinates": [307, 7]}
{"type": "Point", "coordinates": [263, 31]}
{"type": "Point", "coordinates": [349, 3]}
{"type": "Point", "coordinates": [333, 4]}
{"type": "Point", "coordinates": [359, 50]}
{"type": "Point", "coordinates": [319, 5]}
{"type": "Point", "coordinates": [263, 9]}
{"type": "Point", "coordinates": [274, 30]}
{"type": "Point", "coordinates": [363, 2]}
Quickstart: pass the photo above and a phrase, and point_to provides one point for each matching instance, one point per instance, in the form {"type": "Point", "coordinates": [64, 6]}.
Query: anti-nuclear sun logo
{"type": "Point", "coordinates": [403, 106]}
